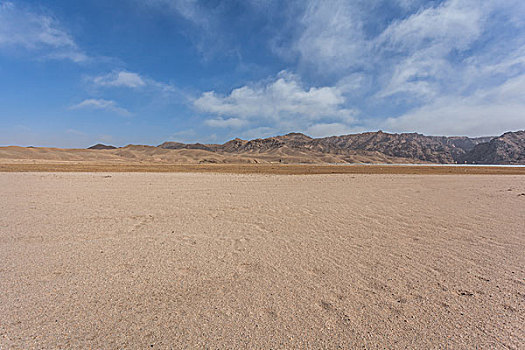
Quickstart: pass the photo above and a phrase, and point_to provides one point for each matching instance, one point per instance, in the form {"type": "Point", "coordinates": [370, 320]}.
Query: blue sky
{"type": "Point", "coordinates": [74, 73]}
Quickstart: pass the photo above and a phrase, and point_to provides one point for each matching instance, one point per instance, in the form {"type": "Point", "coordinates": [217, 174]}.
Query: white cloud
{"type": "Point", "coordinates": [454, 24]}
{"type": "Point", "coordinates": [101, 104]}
{"type": "Point", "coordinates": [422, 44]}
{"type": "Point", "coordinates": [416, 76]}
{"type": "Point", "coordinates": [332, 38]}
{"type": "Point", "coordinates": [335, 35]}
{"type": "Point", "coordinates": [283, 100]}
{"type": "Point", "coordinates": [21, 28]}
{"type": "Point", "coordinates": [122, 78]}
{"type": "Point", "coordinates": [407, 54]}
{"type": "Point", "coordinates": [480, 94]}
{"type": "Point", "coordinates": [485, 112]}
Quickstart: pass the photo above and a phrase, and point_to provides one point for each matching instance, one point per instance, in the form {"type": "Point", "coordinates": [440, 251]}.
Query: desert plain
{"type": "Point", "coordinates": [258, 259]}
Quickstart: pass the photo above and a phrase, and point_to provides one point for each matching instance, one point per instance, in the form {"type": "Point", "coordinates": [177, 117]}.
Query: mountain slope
{"type": "Point", "coordinates": [434, 149]}
{"type": "Point", "coordinates": [509, 148]}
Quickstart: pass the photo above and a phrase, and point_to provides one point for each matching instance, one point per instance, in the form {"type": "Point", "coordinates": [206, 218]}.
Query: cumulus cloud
{"type": "Point", "coordinates": [283, 100]}
{"type": "Point", "coordinates": [22, 28]}
{"type": "Point", "coordinates": [101, 104]}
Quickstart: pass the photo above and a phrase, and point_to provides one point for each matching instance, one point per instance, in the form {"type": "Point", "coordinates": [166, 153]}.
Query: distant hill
{"type": "Point", "coordinates": [369, 147]}
{"type": "Point", "coordinates": [101, 146]}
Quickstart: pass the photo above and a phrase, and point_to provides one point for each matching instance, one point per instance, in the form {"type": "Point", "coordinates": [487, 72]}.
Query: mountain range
{"type": "Point", "coordinates": [508, 148]}
{"type": "Point", "coordinates": [369, 147]}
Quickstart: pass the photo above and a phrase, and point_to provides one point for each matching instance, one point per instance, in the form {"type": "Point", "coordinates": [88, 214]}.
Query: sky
{"type": "Point", "coordinates": [76, 73]}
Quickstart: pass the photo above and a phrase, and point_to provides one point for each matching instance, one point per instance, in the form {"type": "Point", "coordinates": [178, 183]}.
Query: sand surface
{"type": "Point", "coordinates": [277, 169]}
{"type": "Point", "coordinates": [187, 260]}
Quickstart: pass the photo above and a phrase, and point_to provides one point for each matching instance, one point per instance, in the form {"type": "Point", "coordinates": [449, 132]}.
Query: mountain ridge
{"type": "Point", "coordinates": [297, 148]}
{"type": "Point", "coordinates": [414, 146]}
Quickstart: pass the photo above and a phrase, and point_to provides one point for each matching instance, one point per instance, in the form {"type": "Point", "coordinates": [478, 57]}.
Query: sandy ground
{"type": "Point", "coordinates": [278, 169]}
{"type": "Point", "coordinates": [186, 260]}
{"type": "Point", "coordinates": [160, 156]}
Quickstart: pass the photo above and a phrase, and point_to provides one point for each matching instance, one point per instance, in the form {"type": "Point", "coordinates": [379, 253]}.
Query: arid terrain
{"type": "Point", "coordinates": [259, 174]}
{"type": "Point", "coordinates": [276, 169]}
{"type": "Point", "coordinates": [211, 260]}
{"type": "Point", "coordinates": [296, 148]}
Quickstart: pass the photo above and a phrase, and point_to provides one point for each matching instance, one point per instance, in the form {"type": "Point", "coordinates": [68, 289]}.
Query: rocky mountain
{"type": "Point", "coordinates": [296, 148]}
{"type": "Point", "coordinates": [433, 149]}
{"type": "Point", "coordinates": [508, 148]}
{"type": "Point", "coordinates": [410, 146]}
{"type": "Point", "coordinates": [368, 147]}
{"type": "Point", "coordinates": [292, 140]}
